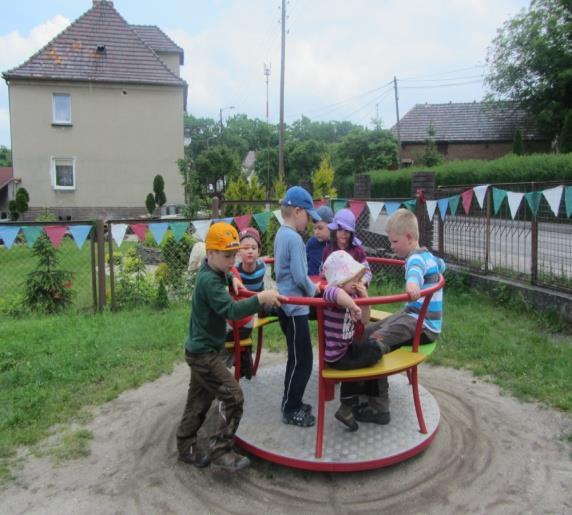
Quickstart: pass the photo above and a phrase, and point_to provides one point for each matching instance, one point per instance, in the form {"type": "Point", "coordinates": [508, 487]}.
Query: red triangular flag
{"type": "Point", "coordinates": [357, 207]}
{"type": "Point", "coordinates": [55, 233]}
{"type": "Point", "coordinates": [467, 197]}
{"type": "Point", "coordinates": [242, 222]}
{"type": "Point", "coordinates": [139, 230]}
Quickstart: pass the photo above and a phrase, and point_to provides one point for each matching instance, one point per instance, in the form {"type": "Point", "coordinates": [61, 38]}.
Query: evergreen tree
{"type": "Point", "coordinates": [150, 203]}
{"type": "Point", "coordinates": [323, 179]}
{"type": "Point", "coordinates": [431, 156]}
{"type": "Point", "coordinates": [566, 134]}
{"type": "Point", "coordinates": [517, 143]}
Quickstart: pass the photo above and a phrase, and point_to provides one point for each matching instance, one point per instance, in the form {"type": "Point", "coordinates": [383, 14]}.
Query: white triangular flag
{"type": "Point", "coordinates": [553, 197]}
{"type": "Point", "coordinates": [514, 199]}
{"type": "Point", "coordinates": [118, 233]}
{"type": "Point", "coordinates": [278, 215]}
{"type": "Point", "coordinates": [201, 227]}
{"type": "Point", "coordinates": [374, 209]}
{"type": "Point", "coordinates": [480, 193]}
{"type": "Point", "coordinates": [431, 206]}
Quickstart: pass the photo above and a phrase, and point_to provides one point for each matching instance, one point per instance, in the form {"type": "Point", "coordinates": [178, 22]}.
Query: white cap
{"type": "Point", "coordinates": [340, 268]}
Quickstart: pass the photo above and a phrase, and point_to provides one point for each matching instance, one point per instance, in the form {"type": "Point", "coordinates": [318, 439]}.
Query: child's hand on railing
{"type": "Point", "coordinates": [413, 290]}
{"type": "Point", "coordinates": [271, 298]}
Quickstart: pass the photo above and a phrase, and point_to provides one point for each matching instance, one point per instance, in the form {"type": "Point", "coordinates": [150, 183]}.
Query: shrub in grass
{"type": "Point", "coordinates": [161, 298]}
{"type": "Point", "coordinates": [47, 289]}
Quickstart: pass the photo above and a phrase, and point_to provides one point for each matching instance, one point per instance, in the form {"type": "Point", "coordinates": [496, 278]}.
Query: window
{"type": "Point", "coordinates": [61, 105]}
{"type": "Point", "coordinates": [63, 173]}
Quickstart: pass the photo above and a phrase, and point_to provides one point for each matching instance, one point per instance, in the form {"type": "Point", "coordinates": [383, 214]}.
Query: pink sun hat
{"type": "Point", "coordinates": [340, 267]}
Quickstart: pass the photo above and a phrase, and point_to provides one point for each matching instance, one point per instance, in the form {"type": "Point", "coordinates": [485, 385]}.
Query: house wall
{"type": "Point", "coordinates": [480, 150]}
{"type": "Point", "coordinates": [121, 137]}
{"type": "Point", "coordinates": [171, 60]}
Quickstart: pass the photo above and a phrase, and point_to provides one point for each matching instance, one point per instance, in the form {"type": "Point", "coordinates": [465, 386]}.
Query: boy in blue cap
{"type": "Point", "coordinates": [292, 279]}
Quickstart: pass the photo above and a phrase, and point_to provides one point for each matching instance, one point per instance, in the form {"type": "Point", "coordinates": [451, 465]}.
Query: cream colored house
{"type": "Point", "coordinates": [95, 115]}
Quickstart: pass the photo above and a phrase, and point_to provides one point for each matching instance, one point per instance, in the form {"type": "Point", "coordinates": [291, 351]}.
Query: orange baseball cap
{"type": "Point", "coordinates": [222, 236]}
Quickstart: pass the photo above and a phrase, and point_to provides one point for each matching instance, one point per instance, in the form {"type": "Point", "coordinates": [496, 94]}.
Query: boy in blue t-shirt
{"type": "Point", "coordinates": [316, 244]}
{"type": "Point", "coordinates": [292, 279]}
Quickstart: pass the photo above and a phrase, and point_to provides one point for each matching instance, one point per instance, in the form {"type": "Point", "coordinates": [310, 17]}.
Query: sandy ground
{"type": "Point", "coordinates": [492, 454]}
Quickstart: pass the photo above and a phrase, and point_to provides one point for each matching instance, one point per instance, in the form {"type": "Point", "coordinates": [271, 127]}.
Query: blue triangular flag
{"type": "Point", "coordinates": [443, 205]}
{"type": "Point", "coordinates": [8, 234]}
{"type": "Point", "coordinates": [158, 230]}
{"type": "Point", "coordinates": [392, 207]}
{"type": "Point", "coordinates": [79, 233]}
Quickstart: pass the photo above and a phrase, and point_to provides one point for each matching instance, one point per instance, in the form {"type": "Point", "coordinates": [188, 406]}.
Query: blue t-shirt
{"type": "Point", "coordinates": [314, 251]}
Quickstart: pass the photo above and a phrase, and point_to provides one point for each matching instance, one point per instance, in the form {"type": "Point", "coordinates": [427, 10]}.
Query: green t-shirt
{"type": "Point", "coordinates": [212, 306]}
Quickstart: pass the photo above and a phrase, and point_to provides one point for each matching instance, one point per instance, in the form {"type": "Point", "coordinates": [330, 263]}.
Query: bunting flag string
{"type": "Point", "coordinates": [410, 204]}
{"type": "Point", "coordinates": [533, 199]}
{"type": "Point", "coordinates": [374, 209]}
{"type": "Point", "coordinates": [8, 235]}
{"type": "Point", "coordinates": [179, 229]}
{"type": "Point", "coordinates": [31, 233]}
{"type": "Point", "coordinates": [553, 196]}
{"type": "Point", "coordinates": [514, 200]}
{"type": "Point", "coordinates": [454, 204]}
{"type": "Point", "coordinates": [55, 233]}
{"type": "Point", "coordinates": [467, 199]}
{"type": "Point", "coordinates": [278, 215]}
{"type": "Point", "coordinates": [79, 233]}
{"type": "Point", "coordinates": [158, 231]}
{"type": "Point", "coordinates": [228, 220]}
{"type": "Point", "coordinates": [392, 207]}
{"type": "Point", "coordinates": [338, 204]}
{"type": "Point", "coordinates": [480, 192]}
{"type": "Point", "coordinates": [498, 197]}
{"type": "Point", "coordinates": [431, 206]}
{"type": "Point", "coordinates": [242, 222]}
{"type": "Point", "coordinates": [201, 227]}
{"type": "Point", "coordinates": [443, 205]}
{"type": "Point", "coordinates": [568, 201]}
{"type": "Point", "coordinates": [139, 230]}
{"type": "Point", "coordinates": [262, 220]}
{"type": "Point", "coordinates": [356, 207]}
{"type": "Point", "coordinates": [118, 233]}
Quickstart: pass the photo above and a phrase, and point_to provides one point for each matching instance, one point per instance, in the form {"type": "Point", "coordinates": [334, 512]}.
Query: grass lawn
{"type": "Point", "coordinates": [53, 367]}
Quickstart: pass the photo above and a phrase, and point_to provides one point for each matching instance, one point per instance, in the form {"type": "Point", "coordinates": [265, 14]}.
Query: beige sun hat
{"type": "Point", "coordinates": [340, 268]}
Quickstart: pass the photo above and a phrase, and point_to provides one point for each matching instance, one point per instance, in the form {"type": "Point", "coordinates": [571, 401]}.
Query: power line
{"type": "Point", "coordinates": [443, 78]}
{"type": "Point", "coordinates": [443, 85]}
{"type": "Point", "coordinates": [475, 66]}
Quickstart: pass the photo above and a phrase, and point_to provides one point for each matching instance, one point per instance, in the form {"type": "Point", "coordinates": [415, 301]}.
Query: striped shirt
{"type": "Point", "coordinates": [339, 328]}
{"type": "Point", "coordinates": [423, 268]}
{"type": "Point", "coordinates": [253, 281]}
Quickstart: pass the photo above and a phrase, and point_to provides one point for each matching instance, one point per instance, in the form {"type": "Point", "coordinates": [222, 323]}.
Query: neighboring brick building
{"type": "Point", "coordinates": [468, 131]}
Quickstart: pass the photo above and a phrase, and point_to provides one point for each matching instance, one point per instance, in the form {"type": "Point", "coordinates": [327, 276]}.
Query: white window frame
{"type": "Point", "coordinates": [53, 163]}
{"type": "Point", "coordinates": [55, 120]}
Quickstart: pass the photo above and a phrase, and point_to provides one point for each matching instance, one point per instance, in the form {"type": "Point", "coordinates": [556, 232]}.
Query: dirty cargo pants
{"type": "Point", "coordinates": [210, 380]}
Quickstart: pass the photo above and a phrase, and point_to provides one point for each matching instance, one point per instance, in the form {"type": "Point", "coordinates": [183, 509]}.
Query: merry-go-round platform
{"type": "Point", "coordinates": [263, 434]}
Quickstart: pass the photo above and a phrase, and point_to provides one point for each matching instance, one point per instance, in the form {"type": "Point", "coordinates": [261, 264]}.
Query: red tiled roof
{"type": "Point", "coordinates": [6, 175]}
{"type": "Point", "coordinates": [99, 46]}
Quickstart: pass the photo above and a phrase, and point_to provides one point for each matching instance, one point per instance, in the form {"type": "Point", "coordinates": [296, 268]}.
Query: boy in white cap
{"type": "Point", "coordinates": [345, 350]}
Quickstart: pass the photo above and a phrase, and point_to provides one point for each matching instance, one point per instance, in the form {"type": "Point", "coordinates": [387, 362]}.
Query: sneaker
{"type": "Point", "coordinates": [299, 417]}
{"type": "Point", "coordinates": [367, 413]}
{"type": "Point", "coordinates": [305, 407]}
{"type": "Point", "coordinates": [345, 416]}
{"type": "Point", "coordinates": [195, 457]}
{"type": "Point", "coordinates": [231, 461]}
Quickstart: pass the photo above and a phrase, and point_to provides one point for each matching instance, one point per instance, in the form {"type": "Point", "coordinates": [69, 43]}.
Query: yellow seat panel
{"type": "Point", "coordinates": [395, 361]}
{"type": "Point", "coordinates": [376, 315]}
{"type": "Point", "coordinates": [260, 322]}
{"type": "Point", "coordinates": [247, 342]}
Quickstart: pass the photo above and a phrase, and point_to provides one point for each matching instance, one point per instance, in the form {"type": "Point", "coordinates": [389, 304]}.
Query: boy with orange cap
{"type": "Point", "coordinates": [212, 305]}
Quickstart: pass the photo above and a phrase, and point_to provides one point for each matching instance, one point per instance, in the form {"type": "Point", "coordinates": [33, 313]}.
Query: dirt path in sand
{"type": "Point", "coordinates": [492, 454]}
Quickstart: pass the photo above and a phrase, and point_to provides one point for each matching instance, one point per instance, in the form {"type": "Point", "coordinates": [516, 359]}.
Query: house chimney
{"type": "Point", "coordinates": [95, 2]}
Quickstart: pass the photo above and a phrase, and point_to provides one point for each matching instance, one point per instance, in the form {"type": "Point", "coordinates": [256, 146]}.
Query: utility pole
{"type": "Point", "coordinates": [282, 66]}
{"type": "Point", "coordinates": [398, 129]}
{"type": "Point", "coordinates": [220, 115]}
{"type": "Point", "coordinates": [267, 74]}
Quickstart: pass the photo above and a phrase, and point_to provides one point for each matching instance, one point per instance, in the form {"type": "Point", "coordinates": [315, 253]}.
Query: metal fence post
{"type": "Point", "coordinates": [92, 239]}
{"type": "Point", "coordinates": [488, 201]}
{"type": "Point", "coordinates": [111, 269]}
{"type": "Point", "coordinates": [533, 244]}
{"type": "Point", "coordinates": [100, 228]}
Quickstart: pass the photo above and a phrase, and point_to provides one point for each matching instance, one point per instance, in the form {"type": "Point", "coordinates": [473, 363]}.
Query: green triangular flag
{"type": "Point", "coordinates": [454, 203]}
{"type": "Point", "coordinates": [339, 204]}
{"type": "Point", "coordinates": [179, 229]}
{"type": "Point", "coordinates": [410, 204]}
{"type": "Point", "coordinates": [262, 220]}
{"type": "Point", "coordinates": [31, 234]}
{"type": "Point", "coordinates": [568, 200]}
{"type": "Point", "coordinates": [533, 199]}
{"type": "Point", "coordinates": [498, 196]}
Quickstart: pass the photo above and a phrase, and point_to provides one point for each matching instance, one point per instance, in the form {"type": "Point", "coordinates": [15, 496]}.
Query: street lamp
{"type": "Point", "coordinates": [220, 114]}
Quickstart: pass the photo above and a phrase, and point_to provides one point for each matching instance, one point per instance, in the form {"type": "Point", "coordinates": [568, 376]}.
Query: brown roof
{"type": "Point", "coordinates": [99, 46]}
{"type": "Point", "coordinates": [158, 40]}
{"type": "Point", "coordinates": [6, 175]}
{"type": "Point", "coordinates": [474, 121]}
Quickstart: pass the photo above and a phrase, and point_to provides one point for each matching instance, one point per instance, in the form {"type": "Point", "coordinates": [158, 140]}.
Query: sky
{"type": "Point", "coordinates": [341, 55]}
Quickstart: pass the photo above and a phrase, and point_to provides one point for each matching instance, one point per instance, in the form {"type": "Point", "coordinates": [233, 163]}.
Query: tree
{"type": "Point", "coordinates": [159, 190]}
{"type": "Point", "coordinates": [323, 179]}
{"type": "Point", "coordinates": [566, 134]}
{"type": "Point", "coordinates": [431, 156]}
{"type": "Point", "coordinates": [5, 156]}
{"type": "Point", "coordinates": [241, 189]}
{"type": "Point", "coordinates": [19, 205]}
{"type": "Point", "coordinates": [217, 165]}
{"type": "Point", "coordinates": [530, 62]}
{"type": "Point", "coordinates": [517, 143]}
{"type": "Point", "coordinates": [150, 203]}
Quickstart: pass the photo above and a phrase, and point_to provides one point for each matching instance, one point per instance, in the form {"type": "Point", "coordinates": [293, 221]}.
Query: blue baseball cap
{"type": "Point", "coordinates": [297, 196]}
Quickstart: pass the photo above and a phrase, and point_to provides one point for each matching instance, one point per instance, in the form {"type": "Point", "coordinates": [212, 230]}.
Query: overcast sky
{"type": "Point", "coordinates": [341, 55]}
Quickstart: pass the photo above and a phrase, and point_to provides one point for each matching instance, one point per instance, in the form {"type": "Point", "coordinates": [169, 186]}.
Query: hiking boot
{"type": "Point", "coordinates": [345, 416]}
{"type": "Point", "coordinates": [368, 413]}
{"type": "Point", "coordinates": [195, 457]}
{"type": "Point", "coordinates": [231, 461]}
{"type": "Point", "coordinates": [299, 417]}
